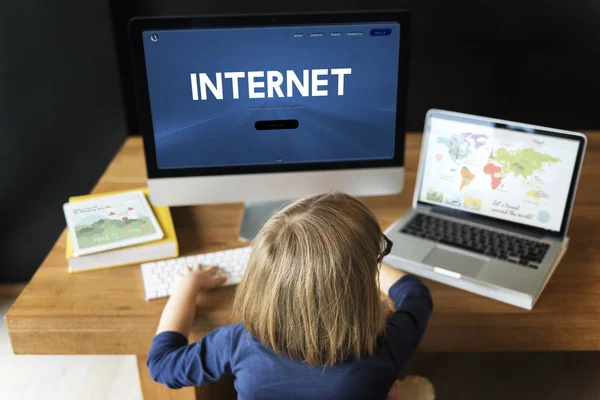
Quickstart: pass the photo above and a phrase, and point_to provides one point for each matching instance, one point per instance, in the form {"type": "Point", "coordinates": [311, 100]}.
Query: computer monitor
{"type": "Point", "coordinates": [271, 107]}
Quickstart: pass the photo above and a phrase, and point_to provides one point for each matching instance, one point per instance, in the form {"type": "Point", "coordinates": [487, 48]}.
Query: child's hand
{"type": "Point", "coordinates": [198, 278]}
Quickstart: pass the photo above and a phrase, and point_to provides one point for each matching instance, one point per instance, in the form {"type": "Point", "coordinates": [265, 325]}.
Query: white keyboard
{"type": "Point", "coordinates": [158, 276]}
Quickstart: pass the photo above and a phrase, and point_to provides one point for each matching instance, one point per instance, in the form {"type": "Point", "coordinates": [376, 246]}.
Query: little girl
{"type": "Point", "coordinates": [312, 322]}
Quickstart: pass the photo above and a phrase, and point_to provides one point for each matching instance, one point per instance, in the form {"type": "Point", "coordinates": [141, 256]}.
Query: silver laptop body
{"type": "Point", "coordinates": [491, 207]}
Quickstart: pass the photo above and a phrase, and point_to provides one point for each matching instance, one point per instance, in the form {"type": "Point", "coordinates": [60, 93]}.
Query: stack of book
{"type": "Point", "coordinates": [117, 228]}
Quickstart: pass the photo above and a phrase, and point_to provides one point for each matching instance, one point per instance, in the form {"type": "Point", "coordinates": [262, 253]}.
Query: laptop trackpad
{"type": "Point", "coordinates": [456, 262]}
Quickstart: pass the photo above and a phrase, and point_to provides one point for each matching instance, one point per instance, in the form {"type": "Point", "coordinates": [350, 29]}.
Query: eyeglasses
{"type": "Point", "coordinates": [388, 248]}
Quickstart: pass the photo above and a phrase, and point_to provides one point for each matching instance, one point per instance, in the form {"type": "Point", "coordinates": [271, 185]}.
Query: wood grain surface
{"type": "Point", "coordinates": [104, 312]}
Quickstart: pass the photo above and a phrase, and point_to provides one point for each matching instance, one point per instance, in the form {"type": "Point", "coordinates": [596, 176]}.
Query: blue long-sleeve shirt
{"type": "Point", "coordinates": [262, 374]}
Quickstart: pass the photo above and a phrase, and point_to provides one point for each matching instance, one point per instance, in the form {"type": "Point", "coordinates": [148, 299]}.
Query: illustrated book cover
{"type": "Point", "coordinates": [111, 222]}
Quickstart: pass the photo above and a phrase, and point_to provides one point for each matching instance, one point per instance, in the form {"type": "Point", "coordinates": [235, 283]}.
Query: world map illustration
{"type": "Point", "coordinates": [521, 163]}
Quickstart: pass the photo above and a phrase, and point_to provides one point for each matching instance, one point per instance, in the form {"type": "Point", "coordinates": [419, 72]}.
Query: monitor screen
{"type": "Point", "coordinates": [498, 171]}
{"type": "Point", "coordinates": [272, 95]}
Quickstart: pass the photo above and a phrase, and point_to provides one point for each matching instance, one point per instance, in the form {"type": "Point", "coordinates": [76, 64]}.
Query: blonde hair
{"type": "Point", "coordinates": [310, 291]}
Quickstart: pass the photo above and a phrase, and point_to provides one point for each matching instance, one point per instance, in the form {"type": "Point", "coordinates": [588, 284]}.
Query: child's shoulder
{"type": "Point", "coordinates": [231, 329]}
{"type": "Point", "coordinates": [235, 331]}
{"type": "Point", "coordinates": [238, 340]}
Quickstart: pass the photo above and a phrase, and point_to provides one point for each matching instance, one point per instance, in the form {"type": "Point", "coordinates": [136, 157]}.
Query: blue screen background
{"type": "Point", "coordinates": [360, 125]}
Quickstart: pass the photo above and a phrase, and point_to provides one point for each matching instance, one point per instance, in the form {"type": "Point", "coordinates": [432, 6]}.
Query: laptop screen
{"type": "Point", "coordinates": [499, 171]}
{"type": "Point", "coordinates": [224, 97]}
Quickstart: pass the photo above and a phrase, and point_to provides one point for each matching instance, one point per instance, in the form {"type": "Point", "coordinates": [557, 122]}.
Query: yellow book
{"type": "Point", "coordinates": [167, 247]}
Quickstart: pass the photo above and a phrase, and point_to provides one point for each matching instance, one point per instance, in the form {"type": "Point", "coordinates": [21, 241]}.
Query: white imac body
{"type": "Point", "coordinates": [185, 191]}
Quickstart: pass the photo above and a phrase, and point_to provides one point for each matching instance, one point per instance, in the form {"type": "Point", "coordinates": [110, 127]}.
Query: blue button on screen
{"type": "Point", "coordinates": [380, 32]}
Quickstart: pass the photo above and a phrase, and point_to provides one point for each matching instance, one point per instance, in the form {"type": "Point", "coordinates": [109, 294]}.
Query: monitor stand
{"type": "Point", "coordinates": [256, 213]}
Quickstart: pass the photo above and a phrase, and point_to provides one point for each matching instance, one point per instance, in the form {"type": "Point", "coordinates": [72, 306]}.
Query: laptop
{"type": "Point", "coordinates": [491, 207]}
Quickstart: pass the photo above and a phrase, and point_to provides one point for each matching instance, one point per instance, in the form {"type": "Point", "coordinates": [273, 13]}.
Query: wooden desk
{"type": "Point", "coordinates": [104, 312]}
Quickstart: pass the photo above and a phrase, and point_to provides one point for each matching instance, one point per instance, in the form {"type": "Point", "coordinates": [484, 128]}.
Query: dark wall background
{"type": "Point", "coordinates": [61, 119]}
{"type": "Point", "coordinates": [63, 114]}
{"type": "Point", "coordinates": [533, 61]}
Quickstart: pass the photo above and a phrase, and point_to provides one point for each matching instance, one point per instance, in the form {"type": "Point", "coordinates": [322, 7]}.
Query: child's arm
{"type": "Point", "coordinates": [174, 362]}
{"type": "Point", "coordinates": [178, 314]}
{"type": "Point", "coordinates": [413, 306]}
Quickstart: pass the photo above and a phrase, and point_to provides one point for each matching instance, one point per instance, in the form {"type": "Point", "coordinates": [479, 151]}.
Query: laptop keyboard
{"type": "Point", "coordinates": [527, 253]}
